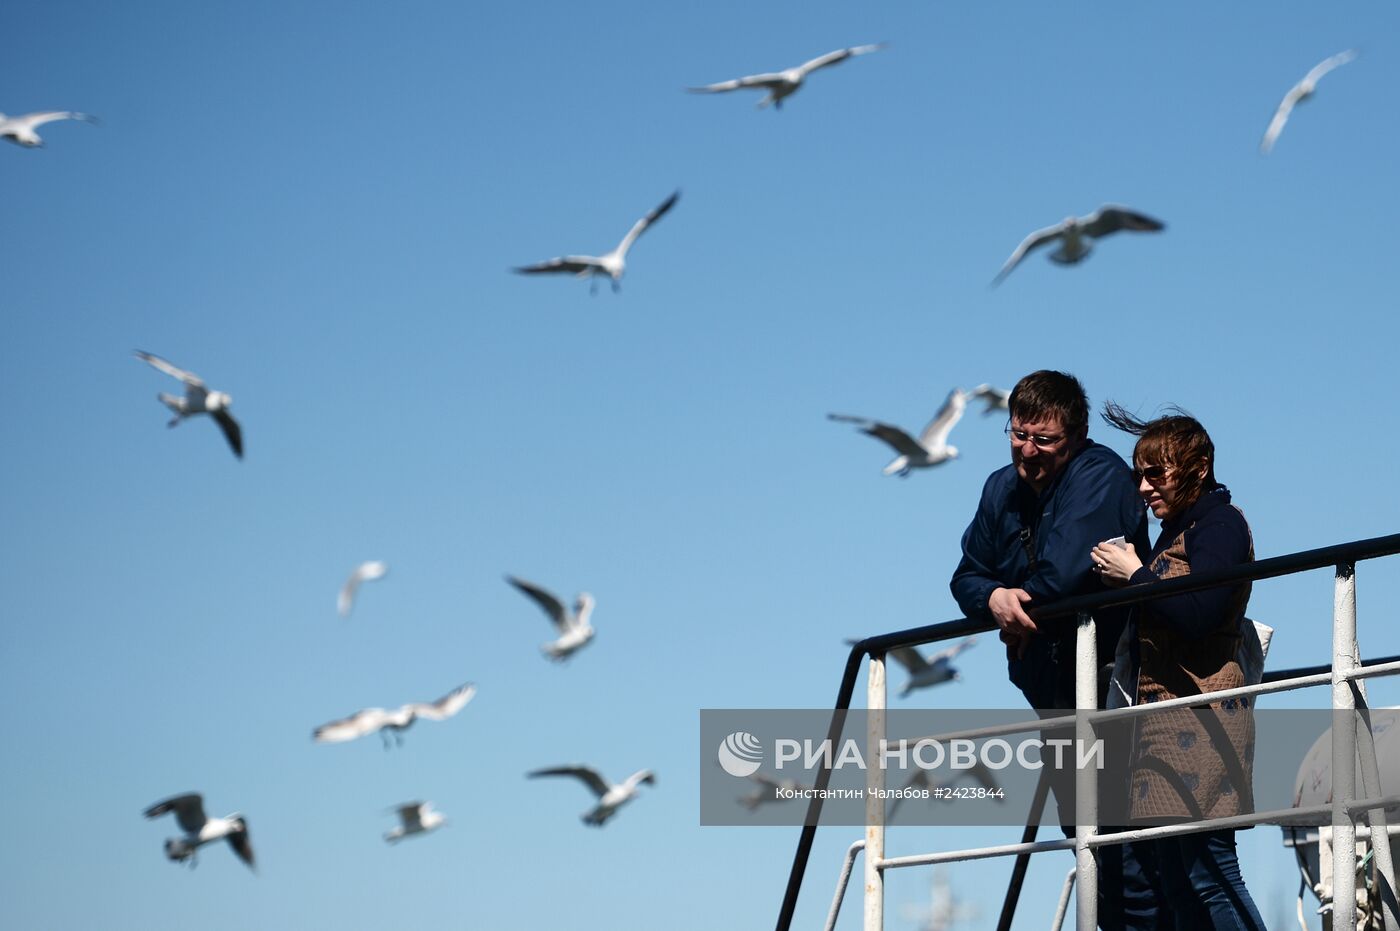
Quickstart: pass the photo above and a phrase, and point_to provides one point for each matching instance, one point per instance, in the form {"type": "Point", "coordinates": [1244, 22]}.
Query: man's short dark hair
{"type": "Point", "coordinates": [1050, 395]}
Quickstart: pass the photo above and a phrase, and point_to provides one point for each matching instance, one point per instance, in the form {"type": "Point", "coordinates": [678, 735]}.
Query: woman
{"type": "Point", "coordinates": [1188, 766]}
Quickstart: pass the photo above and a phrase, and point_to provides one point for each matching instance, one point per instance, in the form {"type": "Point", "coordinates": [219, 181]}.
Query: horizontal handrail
{"type": "Point", "coordinates": [1338, 554]}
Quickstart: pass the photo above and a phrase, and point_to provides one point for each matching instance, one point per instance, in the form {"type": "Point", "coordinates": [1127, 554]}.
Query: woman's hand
{"type": "Point", "coordinates": [1115, 564]}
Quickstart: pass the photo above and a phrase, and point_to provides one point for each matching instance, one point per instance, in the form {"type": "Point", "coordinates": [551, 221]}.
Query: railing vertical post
{"type": "Point", "coordinates": [1086, 782]}
{"type": "Point", "coordinates": [1344, 660]}
{"type": "Point", "coordinates": [1372, 787]}
{"type": "Point", "coordinates": [874, 805]}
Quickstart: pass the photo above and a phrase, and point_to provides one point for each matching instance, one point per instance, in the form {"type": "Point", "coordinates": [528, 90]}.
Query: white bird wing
{"type": "Point", "coordinates": [189, 378]}
{"type": "Point", "coordinates": [566, 263]}
{"type": "Point", "coordinates": [910, 658]}
{"type": "Point", "coordinates": [1329, 64]}
{"type": "Point", "coordinates": [1280, 119]}
{"type": "Point", "coordinates": [935, 435]}
{"type": "Point", "coordinates": [641, 225]}
{"type": "Point", "coordinates": [188, 808]}
{"type": "Point", "coordinates": [770, 80]}
{"type": "Point", "coordinates": [362, 722]}
{"type": "Point", "coordinates": [953, 651]}
{"type": "Point", "coordinates": [1033, 241]}
{"type": "Point", "coordinates": [1110, 218]}
{"type": "Point", "coordinates": [31, 120]}
{"type": "Point", "coordinates": [639, 777]}
{"type": "Point", "coordinates": [995, 398]}
{"type": "Point", "coordinates": [840, 55]}
{"type": "Point", "coordinates": [364, 572]}
{"type": "Point", "coordinates": [546, 600]}
{"type": "Point", "coordinates": [446, 706]}
{"type": "Point", "coordinates": [587, 774]}
{"type": "Point", "coordinates": [889, 433]}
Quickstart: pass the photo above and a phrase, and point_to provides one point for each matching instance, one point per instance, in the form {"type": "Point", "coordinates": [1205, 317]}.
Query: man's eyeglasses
{"type": "Point", "coordinates": [1154, 474]}
{"type": "Point", "coordinates": [1040, 440]}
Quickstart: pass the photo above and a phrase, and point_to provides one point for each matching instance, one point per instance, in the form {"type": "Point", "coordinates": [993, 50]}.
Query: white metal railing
{"type": "Point", "coordinates": [1350, 745]}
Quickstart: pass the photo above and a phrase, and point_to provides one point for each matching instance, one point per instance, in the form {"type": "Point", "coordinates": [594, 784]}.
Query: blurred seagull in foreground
{"type": "Point", "coordinates": [397, 721]}
{"type": "Point", "coordinates": [610, 797]}
{"type": "Point", "coordinates": [930, 449]}
{"type": "Point", "coordinates": [574, 629]}
{"type": "Point", "coordinates": [364, 572]}
{"type": "Point", "coordinates": [20, 129]}
{"type": "Point", "coordinates": [200, 830]}
{"type": "Point", "coordinates": [1076, 235]}
{"type": "Point", "coordinates": [1297, 94]}
{"type": "Point", "coordinates": [996, 399]}
{"type": "Point", "coordinates": [197, 400]}
{"type": "Point", "coordinates": [416, 818]}
{"type": "Point", "coordinates": [977, 772]}
{"type": "Point", "coordinates": [768, 788]}
{"type": "Point", "coordinates": [613, 264]}
{"type": "Point", "coordinates": [780, 84]}
{"type": "Point", "coordinates": [935, 670]}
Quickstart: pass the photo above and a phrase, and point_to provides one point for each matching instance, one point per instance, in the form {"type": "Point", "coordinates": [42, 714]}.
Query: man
{"type": "Point", "coordinates": [1029, 545]}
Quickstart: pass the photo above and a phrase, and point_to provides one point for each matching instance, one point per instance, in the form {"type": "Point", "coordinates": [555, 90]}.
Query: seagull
{"type": "Point", "coordinates": [978, 772]}
{"type": "Point", "coordinates": [1075, 235]}
{"type": "Point", "coordinates": [573, 626]}
{"type": "Point", "coordinates": [399, 720]}
{"type": "Point", "coordinates": [768, 790]}
{"type": "Point", "coordinates": [923, 673]}
{"type": "Point", "coordinates": [200, 830]}
{"type": "Point", "coordinates": [782, 84]}
{"type": "Point", "coordinates": [20, 129]}
{"type": "Point", "coordinates": [996, 399]}
{"type": "Point", "coordinates": [610, 797]}
{"type": "Point", "coordinates": [613, 264]}
{"type": "Point", "coordinates": [197, 400]}
{"type": "Point", "coordinates": [935, 670]}
{"type": "Point", "coordinates": [1297, 94]}
{"type": "Point", "coordinates": [364, 572]}
{"type": "Point", "coordinates": [417, 818]}
{"type": "Point", "coordinates": [930, 449]}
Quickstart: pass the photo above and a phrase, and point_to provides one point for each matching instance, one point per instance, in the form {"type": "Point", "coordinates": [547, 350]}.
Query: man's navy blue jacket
{"type": "Point", "coordinates": [1093, 499]}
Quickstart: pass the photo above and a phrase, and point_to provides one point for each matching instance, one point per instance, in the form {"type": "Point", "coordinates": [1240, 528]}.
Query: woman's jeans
{"type": "Point", "coordinates": [1200, 882]}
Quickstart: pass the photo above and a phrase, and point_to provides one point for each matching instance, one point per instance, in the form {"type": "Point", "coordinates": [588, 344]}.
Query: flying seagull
{"type": "Point", "coordinates": [610, 797]}
{"type": "Point", "coordinates": [785, 83]}
{"type": "Point", "coordinates": [397, 721]}
{"type": "Point", "coordinates": [935, 670]}
{"type": "Point", "coordinates": [416, 818]}
{"type": "Point", "coordinates": [996, 399]}
{"type": "Point", "coordinates": [930, 449]}
{"type": "Point", "coordinates": [574, 629]}
{"type": "Point", "coordinates": [20, 129]}
{"type": "Point", "coordinates": [978, 772]}
{"type": "Point", "coordinates": [200, 830]}
{"type": "Point", "coordinates": [768, 788]}
{"type": "Point", "coordinates": [1075, 235]}
{"type": "Point", "coordinates": [1297, 94]}
{"type": "Point", "coordinates": [197, 400]}
{"type": "Point", "coordinates": [613, 264]}
{"type": "Point", "coordinates": [364, 572]}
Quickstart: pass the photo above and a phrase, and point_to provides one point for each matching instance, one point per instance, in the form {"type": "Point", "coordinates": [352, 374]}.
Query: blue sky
{"type": "Point", "coordinates": [316, 208]}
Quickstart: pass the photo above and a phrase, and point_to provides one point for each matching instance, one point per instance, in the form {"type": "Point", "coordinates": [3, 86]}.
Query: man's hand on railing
{"type": "Point", "coordinates": [1005, 605]}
